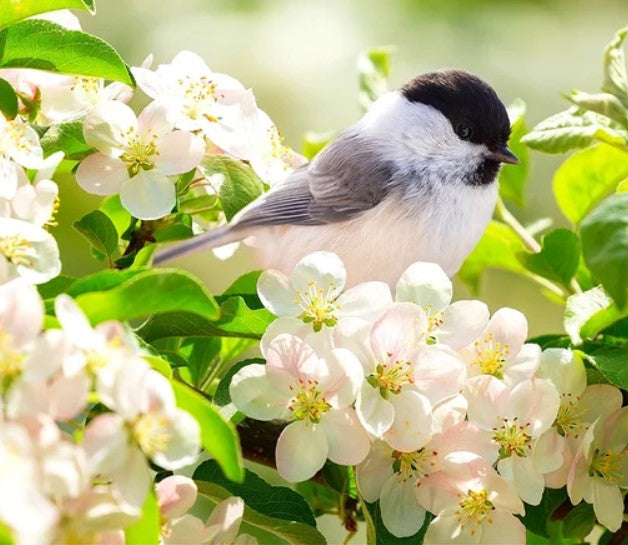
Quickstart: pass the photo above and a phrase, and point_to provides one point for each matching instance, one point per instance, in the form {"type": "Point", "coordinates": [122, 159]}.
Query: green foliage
{"type": "Point", "coordinates": [8, 99]}
{"type": "Point", "coordinates": [610, 361]}
{"type": "Point", "coordinates": [222, 396]}
{"type": "Point", "coordinates": [579, 521]}
{"type": "Point", "coordinates": [512, 178]}
{"type": "Point", "coordinates": [100, 231]}
{"type": "Point", "coordinates": [147, 530]}
{"type": "Point", "coordinates": [586, 177]}
{"type": "Point", "coordinates": [537, 517]}
{"type": "Point", "coordinates": [218, 436]}
{"type": "Point", "coordinates": [240, 185]}
{"type": "Point", "coordinates": [150, 292]}
{"type": "Point", "coordinates": [278, 502]}
{"type": "Point", "coordinates": [68, 138]}
{"type": "Point", "coordinates": [615, 79]}
{"type": "Point", "coordinates": [498, 248]}
{"type": "Point", "coordinates": [605, 245]}
{"type": "Point", "coordinates": [580, 307]}
{"type": "Point", "coordinates": [315, 142]}
{"type": "Point", "coordinates": [373, 72]}
{"type": "Point", "coordinates": [12, 11]}
{"type": "Point", "coordinates": [47, 46]}
{"type": "Point", "coordinates": [377, 534]}
{"type": "Point", "coordinates": [558, 259]}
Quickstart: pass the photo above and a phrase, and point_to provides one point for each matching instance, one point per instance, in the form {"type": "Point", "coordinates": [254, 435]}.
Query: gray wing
{"type": "Point", "coordinates": [345, 179]}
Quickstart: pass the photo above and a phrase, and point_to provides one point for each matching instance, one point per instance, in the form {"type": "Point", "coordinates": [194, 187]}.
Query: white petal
{"type": "Point", "coordinates": [324, 269]}
{"type": "Point", "coordinates": [397, 334]}
{"type": "Point", "coordinates": [462, 323]}
{"type": "Point", "coordinates": [345, 377]}
{"type": "Point", "coordinates": [156, 119]}
{"type": "Point", "coordinates": [179, 152]}
{"type": "Point", "coordinates": [301, 451]}
{"type": "Point", "coordinates": [21, 312]}
{"type": "Point", "coordinates": [375, 412]}
{"type": "Point", "coordinates": [510, 327]}
{"type": "Point", "coordinates": [227, 515]}
{"type": "Point", "coordinates": [186, 530]}
{"type": "Point", "coordinates": [521, 474]}
{"type": "Point", "coordinates": [503, 524]}
{"type": "Point", "coordinates": [148, 195]}
{"type": "Point", "coordinates": [600, 400]}
{"type": "Point", "coordinates": [132, 480]}
{"type": "Point", "coordinates": [523, 366]}
{"type": "Point", "coordinates": [107, 126]}
{"type": "Point", "coordinates": [34, 203]}
{"type": "Point", "coordinates": [154, 84]}
{"type": "Point", "coordinates": [487, 397]}
{"type": "Point", "coordinates": [449, 413]}
{"type": "Point", "coordinates": [547, 452]}
{"type": "Point", "coordinates": [412, 426]}
{"type": "Point", "coordinates": [338, 426]}
{"type": "Point", "coordinates": [183, 442]}
{"type": "Point", "coordinates": [608, 504]}
{"type": "Point", "coordinates": [374, 471]}
{"type": "Point", "coordinates": [401, 514]}
{"type": "Point", "coordinates": [254, 395]}
{"type": "Point", "coordinates": [105, 442]}
{"type": "Point", "coordinates": [426, 285]}
{"type": "Point", "coordinates": [191, 64]}
{"type": "Point", "coordinates": [289, 359]}
{"type": "Point", "coordinates": [176, 495]}
{"type": "Point", "coordinates": [367, 300]}
{"type": "Point", "coordinates": [354, 335]}
{"type": "Point", "coordinates": [535, 401]}
{"type": "Point", "coordinates": [438, 372]}
{"type": "Point", "coordinates": [101, 175]}
{"type": "Point", "coordinates": [276, 293]}
{"type": "Point", "coordinates": [73, 321]}
{"type": "Point", "coordinates": [8, 177]}
{"type": "Point", "coordinates": [27, 152]}
{"type": "Point", "coordinates": [565, 369]}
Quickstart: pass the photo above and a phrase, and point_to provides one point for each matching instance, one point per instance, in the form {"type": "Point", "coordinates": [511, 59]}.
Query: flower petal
{"type": "Point", "coordinates": [338, 425]}
{"type": "Point", "coordinates": [179, 151]}
{"type": "Point", "coordinates": [397, 334]}
{"type": "Point", "coordinates": [254, 395]}
{"type": "Point", "coordinates": [412, 426]}
{"type": "Point", "coordinates": [176, 495]}
{"type": "Point", "coordinates": [520, 472]}
{"type": "Point", "coordinates": [565, 369]}
{"type": "Point", "coordinates": [524, 365]}
{"type": "Point", "coordinates": [375, 412]}
{"type": "Point", "coordinates": [157, 119]}
{"type": "Point", "coordinates": [462, 323]}
{"type": "Point", "coordinates": [608, 504]}
{"type": "Point", "coordinates": [438, 372]}
{"type": "Point", "coordinates": [107, 125]}
{"type": "Point", "coordinates": [400, 513]}
{"type": "Point", "coordinates": [276, 293]}
{"type": "Point", "coordinates": [183, 443]}
{"type": "Point", "coordinates": [227, 515]}
{"type": "Point", "coordinates": [487, 397]}
{"type": "Point", "coordinates": [345, 377]}
{"type": "Point", "coordinates": [374, 471]}
{"type": "Point", "coordinates": [101, 175]}
{"type": "Point", "coordinates": [301, 451]}
{"type": "Point", "coordinates": [426, 285]}
{"type": "Point", "coordinates": [535, 401]}
{"type": "Point", "coordinates": [509, 326]}
{"type": "Point", "coordinates": [367, 300]}
{"type": "Point", "coordinates": [324, 269]}
{"type": "Point", "coordinates": [148, 195]}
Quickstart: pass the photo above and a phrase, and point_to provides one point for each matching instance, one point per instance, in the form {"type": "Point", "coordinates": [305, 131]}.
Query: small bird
{"type": "Point", "coordinates": [413, 180]}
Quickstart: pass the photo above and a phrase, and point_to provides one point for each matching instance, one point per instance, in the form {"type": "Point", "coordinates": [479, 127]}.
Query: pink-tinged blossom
{"type": "Point", "coordinates": [136, 156]}
{"type": "Point", "coordinates": [19, 147]}
{"type": "Point", "coordinates": [517, 419]}
{"type": "Point", "coordinates": [472, 503]}
{"type": "Point", "coordinates": [599, 472]}
{"type": "Point", "coordinates": [315, 394]}
{"type": "Point", "coordinates": [501, 350]}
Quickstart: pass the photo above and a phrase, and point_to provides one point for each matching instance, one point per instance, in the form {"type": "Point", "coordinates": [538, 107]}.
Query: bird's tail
{"type": "Point", "coordinates": [211, 239]}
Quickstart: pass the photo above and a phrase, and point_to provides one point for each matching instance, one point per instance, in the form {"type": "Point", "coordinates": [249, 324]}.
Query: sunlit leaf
{"type": "Point", "coordinates": [12, 11]}
{"type": "Point", "coordinates": [8, 99]}
{"type": "Point", "coordinates": [512, 178]}
{"type": "Point", "coordinates": [147, 530]}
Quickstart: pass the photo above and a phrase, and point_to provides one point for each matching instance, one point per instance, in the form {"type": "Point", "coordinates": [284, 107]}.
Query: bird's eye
{"type": "Point", "coordinates": [464, 131]}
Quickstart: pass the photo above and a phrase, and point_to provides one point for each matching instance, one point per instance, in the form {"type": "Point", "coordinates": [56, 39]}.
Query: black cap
{"type": "Point", "coordinates": [471, 105]}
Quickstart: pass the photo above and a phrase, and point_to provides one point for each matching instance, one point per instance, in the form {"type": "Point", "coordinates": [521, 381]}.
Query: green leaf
{"type": "Point", "coordinates": [615, 79]}
{"type": "Point", "coordinates": [611, 361]}
{"type": "Point", "coordinates": [6, 535]}
{"type": "Point", "coordinates": [204, 355]}
{"type": "Point", "coordinates": [159, 364]}
{"type": "Point", "coordinates": [277, 502]}
{"type": "Point", "coordinates": [179, 228]}
{"type": "Point", "coordinates": [586, 177]}
{"type": "Point", "coordinates": [602, 320]}
{"type": "Point", "coordinates": [572, 129]}
{"type": "Point", "coordinates": [294, 533]}
{"type": "Point", "coordinates": [580, 307]}
{"type": "Point", "coordinates": [218, 436]}
{"type": "Point", "coordinates": [320, 498]}
{"type": "Point", "coordinates": [373, 71]}
{"type": "Point", "coordinates": [12, 11]}
{"type": "Point", "coordinates": [100, 231]}
{"type": "Point", "coordinates": [119, 216]}
{"type": "Point", "coordinates": [147, 530]}
{"type": "Point", "coordinates": [601, 103]}
{"type": "Point", "coordinates": [236, 320]}
{"type": "Point", "coordinates": [340, 478]}
{"type": "Point", "coordinates": [579, 521]}
{"type": "Point", "coordinates": [52, 288]}
{"type": "Point", "coordinates": [377, 534]}
{"type": "Point", "coordinates": [315, 142]}
{"type": "Point", "coordinates": [537, 517]}
{"type": "Point", "coordinates": [240, 185]}
{"type": "Point", "coordinates": [605, 245]}
{"type": "Point", "coordinates": [100, 281]}
{"type": "Point", "coordinates": [246, 287]}
{"type": "Point", "coordinates": [150, 292]}
{"type": "Point", "coordinates": [558, 259]}
{"type": "Point", "coordinates": [512, 178]}
{"type": "Point", "coordinates": [198, 204]}
{"type": "Point", "coordinates": [222, 396]}
{"type": "Point", "coordinates": [47, 46]}
{"type": "Point", "coordinates": [498, 248]}
{"type": "Point", "coordinates": [68, 138]}
{"type": "Point", "coordinates": [8, 99]}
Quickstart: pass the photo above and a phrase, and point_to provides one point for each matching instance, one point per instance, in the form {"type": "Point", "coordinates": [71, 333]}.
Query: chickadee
{"type": "Point", "coordinates": [413, 180]}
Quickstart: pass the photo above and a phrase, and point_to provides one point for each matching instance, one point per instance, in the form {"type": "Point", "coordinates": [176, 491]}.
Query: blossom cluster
{"type": "Point", "coordinates": [441, 407]}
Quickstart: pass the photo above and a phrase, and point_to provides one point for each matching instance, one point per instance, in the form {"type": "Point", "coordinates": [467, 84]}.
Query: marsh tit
{"type": "Point", "coordinates": [413, 180]}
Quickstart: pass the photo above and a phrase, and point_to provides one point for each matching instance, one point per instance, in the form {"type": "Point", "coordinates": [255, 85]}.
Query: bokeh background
{"type": "Point", "coordinates": [299, 56]}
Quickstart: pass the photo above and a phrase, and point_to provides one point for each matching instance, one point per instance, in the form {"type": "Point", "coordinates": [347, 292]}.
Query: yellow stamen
{"type": "Point", "coordinates": [319, 306]}
{"type": "Point", "coordinates": [475, 508]}
{"type": "Point", "coordinates": [512, 438]}
{"type": "Point", "coordinates": [608, 465]}
{"type": "Point", "coordinates": [490, 356]}
{"type": "Point", "coordinates": [17, 250]}
{"type": "Point", "coordinates": [569, 421]}
{"type": "Point", "coordinates": [391, 377]}
{"type": "Point", "coordinates": [151, 433]}
{"type": "Point", "coordinates": [308, 402]}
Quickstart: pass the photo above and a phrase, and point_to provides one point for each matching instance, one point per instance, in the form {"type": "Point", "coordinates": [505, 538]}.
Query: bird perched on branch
{"type": "Point", "coordinates": [413, 180]}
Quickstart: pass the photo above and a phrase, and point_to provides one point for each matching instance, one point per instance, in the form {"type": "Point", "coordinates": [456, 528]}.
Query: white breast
{"type": "Point", "coordinates": [381, 243]}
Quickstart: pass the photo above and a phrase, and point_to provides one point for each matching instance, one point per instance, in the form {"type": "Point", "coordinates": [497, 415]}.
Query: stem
{"type": "Point", "coordinates": [514, 224]}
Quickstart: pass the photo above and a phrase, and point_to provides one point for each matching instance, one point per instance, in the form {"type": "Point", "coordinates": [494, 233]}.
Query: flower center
{"type": "Point", "coordinates": [14, 138]}
{"type": "Point", "coordinates": [512, 438]}
{"type": "Point", "coordinates": [319, 306]}
{"type": "Point", "coordinates": [140, 151]}
{"type": "Point", "coordinates": [308, 402]}
{"type": "Point", "coordinates": [151, 433]}
{"type": "Point", "coordinates": [608, 465]}
{"type": "Point", "coordinates": [17, 250]}
{"type": "Point", "coordinates": [11, 360]}
{"type": "Point", "coordinates": [89, 86]}
{"type": "Point", "coordinates": [199, 94]}
{"type": "Point", "coordinates": [391, 377]}
{"type": "Point", "coordinates": [490, 356]}
{"type": "Point", "coordinates": [475, 507]}
{"type": "Point", "coordinates": [568, 421]}
{"type": "Point", "coordinates": [413, 465]}
{"type": "Point", "coordinates": [52, 219]}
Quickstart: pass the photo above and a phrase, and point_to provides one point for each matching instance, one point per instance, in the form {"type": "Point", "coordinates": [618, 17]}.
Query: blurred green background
{"type": "Point", "coordinates": [300, 56]}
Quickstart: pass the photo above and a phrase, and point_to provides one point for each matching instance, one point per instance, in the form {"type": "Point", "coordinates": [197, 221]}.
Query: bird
{"type": "Point", "coordinates": [414, 179]}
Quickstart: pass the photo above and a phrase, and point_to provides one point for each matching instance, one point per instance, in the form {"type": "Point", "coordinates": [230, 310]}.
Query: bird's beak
{"type": "Point", "coordinates": [504, 155]}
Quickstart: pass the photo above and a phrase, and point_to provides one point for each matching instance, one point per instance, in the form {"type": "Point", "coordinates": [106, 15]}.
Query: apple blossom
{"type": "Point", "coordinates": [501, 350]}
{"type": "Point", "coordinates": [518, 418]}
{"type": "Point", "coordinates": [136, 156]}
{"type": "Point", "coordinates": [472, 503]}
{"type": "Point", "coordinates": [455, 324]}
{"type": "Point", "coordinates": [315, 394]}
{"type": "Point", "coordinates": [223, 525]}
{"type": "Point", "coordinates": [313, 292]}
{"type": "Point", "coordinates": [599, 472]}
{"type": "Point", "coordinates": [19, 146]}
